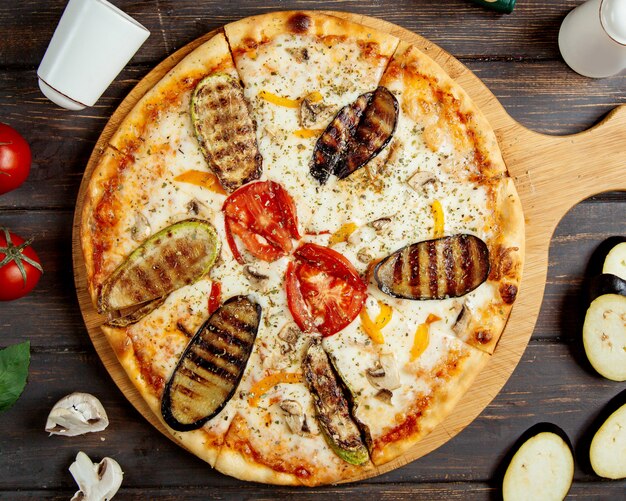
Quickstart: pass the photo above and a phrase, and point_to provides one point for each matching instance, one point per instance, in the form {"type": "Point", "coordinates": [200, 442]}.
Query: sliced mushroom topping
{"type": "Point", "coordinates": [384, 396]}
{"type": "Point", "coordinates": [253, 273]}
{"type": "Point", "coordinates": [462, 321]}
{"type": "Point", "coordinates": [421, 180]}
{"type": "Point", "coordinates": [295, 417]}
{"type": "Point", "coordinates": [141, 228]}
{"type": "Point", "coordinates": [384, 375]}
{"type": "Point", "coordinates": [313, 111]}
{"type": "Point", "coordinates": [364, 255]}
{"type": "Point", "coordinates": [380, 224]}
{"type": "Point", "coordinates": [290, 334]}
{"type": "Point", "coordinates": [193, 207]}
{"type": "Point", "coordinates": [96, 482]}
{"type": "Point", "coordinates": [76, 414]}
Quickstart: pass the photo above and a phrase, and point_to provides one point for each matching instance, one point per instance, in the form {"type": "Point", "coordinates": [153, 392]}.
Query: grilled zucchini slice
{"type": "Point", "coordinates": [178, 255]}
{"type": "Point", "coordinates": [225, 130]}
{"type": "Point", "coordinates": [332, 408]}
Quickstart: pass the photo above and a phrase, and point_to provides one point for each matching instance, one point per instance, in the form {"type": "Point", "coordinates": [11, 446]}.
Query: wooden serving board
{"type": "Point", "coordinates": [551, 175]}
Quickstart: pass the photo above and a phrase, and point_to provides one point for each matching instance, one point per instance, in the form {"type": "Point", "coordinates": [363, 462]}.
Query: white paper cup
{"type": "Point", "coordinates": [92, 43]}
{"type": "Point", "coordinates": [592, 38]}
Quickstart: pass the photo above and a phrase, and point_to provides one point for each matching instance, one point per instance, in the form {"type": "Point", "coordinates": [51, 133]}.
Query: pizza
{"type": "Point", "coordinates": [305, 246]}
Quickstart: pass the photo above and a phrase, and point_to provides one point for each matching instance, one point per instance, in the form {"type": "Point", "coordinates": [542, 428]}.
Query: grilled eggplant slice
{"type": "Point", "coordinates": [374, 131]}
{"type": "Point", "coordinates": [210, 368]}
{"type": "Point", "coordinates": [332, 144]}
{"type": "Point", "coordinates": [604, 336]}
{"type": "Point", "coordinates": [435, 269]}
{"type": "Point", "coordinates": [225, 130]}
{"type": "Point", "coordinates": [356, 135]}
{"type": "Point", "coordinates": [331, 406]}
{"type": "Point", "coordinates": [170, 259]}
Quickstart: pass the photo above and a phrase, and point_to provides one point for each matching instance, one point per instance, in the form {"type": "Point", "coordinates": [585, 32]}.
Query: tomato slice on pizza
{"type": "Point", "coordinates": [263, 216]}
{"type": "Point", "coordinates": [324, 291]}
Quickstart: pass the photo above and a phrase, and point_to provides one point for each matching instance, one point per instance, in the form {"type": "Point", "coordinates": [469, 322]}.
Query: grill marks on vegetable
{"type": "Point", "coordinates": [225, 130]}
{"type": "Point", "coordinates": [332, 407]}
{"type": "Point", "coordinates": [172, 258]}
{"type": "Point", "coordinates": [210, 368]}
{"type": "Point", "coordinates": [435, 269]}
{"type": "Point", "coordinates": [356, 135]}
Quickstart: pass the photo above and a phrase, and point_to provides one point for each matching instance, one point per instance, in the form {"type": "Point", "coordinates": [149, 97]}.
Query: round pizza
{"type": "Point", "coordinates": [305, 245]}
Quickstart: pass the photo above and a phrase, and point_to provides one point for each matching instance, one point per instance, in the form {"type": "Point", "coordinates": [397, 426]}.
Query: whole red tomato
{"type": "Point", "coordinates": [14, 159]}
{"type": "Point", "coordinates": [19, 266]}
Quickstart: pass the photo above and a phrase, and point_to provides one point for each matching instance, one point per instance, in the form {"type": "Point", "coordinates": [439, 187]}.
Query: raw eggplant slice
{"type": "Point", "coordinates": [435, 269]}
{"type": "Point", "coordinates": [225, 130]}
{"type": "Point", "coordinates": [209, 370]}
{"type": "Point", "coordinates": [133, 316]}
{"type": "Point", "coordinates": [331, 406]}
{"type": "Point", "coordinates": [615, 261]}
{"type": "Point", "coordinates": [170, 259]}
{"type": "Point", "coordinates": [542, 468]}
{"type": "Point", "coordinates": [604, 336]}
{"type": "Point", "coordinates": [374, 131]}
{"type": "Point", "coordinates": [606, 284]}
{"type": "Point", "coordinates": [607, 453]}
{"type": "Point", "coordinates": [332, 144]}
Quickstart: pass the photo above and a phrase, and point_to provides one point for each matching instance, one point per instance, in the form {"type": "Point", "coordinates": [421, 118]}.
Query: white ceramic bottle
{"type": "Point", "coordinates": [592, 39]}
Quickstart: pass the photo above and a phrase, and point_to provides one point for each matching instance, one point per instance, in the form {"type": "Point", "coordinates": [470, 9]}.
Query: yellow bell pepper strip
{"type": "Point", "coordinates": [307, 133]}
{"type": "Point", "coordinates": [373, 328]}
{"type": "Point", "coordinates": [422, 337]}
{"type": "Point", "coordinates": [264, 385]}
{"type": "Point", "coordinates": [437, 211]}
{"type": "Point", "coordinates": [279, 100]}
{"type": "Point", "coordinates": [342, 234]}
{"type": "Point", "coordinates": [201, 178]}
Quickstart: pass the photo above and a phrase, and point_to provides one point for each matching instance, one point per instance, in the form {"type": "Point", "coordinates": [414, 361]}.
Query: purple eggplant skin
{"type": "Point", "coordinates": [332, 144]}
{"type": "Point", "coordinates": [373, 133]}
{"type": "Point", "coordinates": [213, 363]}
{"type": "Point", "coordinates": [596, 261]}
{"type": "Point", "coordinates": [358, 133]}
{"type": "Point", "coordinates": [606, 283]}
{"type": "Point", "coordinates": [445, 267]}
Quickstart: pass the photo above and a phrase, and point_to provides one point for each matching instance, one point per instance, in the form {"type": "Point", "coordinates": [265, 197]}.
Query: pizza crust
{"type": "Point", "coordinates": [251, 31]}
{"type": "Point", "coordinates": [442, 401]}
{"type": "Point", "coordinates": [213, 55]}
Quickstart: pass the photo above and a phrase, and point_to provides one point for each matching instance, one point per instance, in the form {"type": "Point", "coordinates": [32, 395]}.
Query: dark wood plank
{"type": "Point", "coordinates": [548, 385]}
{"type": "Point", "coordinates": [458, 26]}
{"type": "Point", "coordinates": [386, 492]}
{"type": "Point", "coordinates": [544, 96]}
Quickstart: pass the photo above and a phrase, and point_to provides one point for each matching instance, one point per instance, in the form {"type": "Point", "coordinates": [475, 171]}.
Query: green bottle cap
{"type": "Point", "coordinates": [505, 6]}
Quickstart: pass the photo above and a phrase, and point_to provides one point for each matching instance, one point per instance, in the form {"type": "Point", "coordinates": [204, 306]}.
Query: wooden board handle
{"type": "Point", "coordinates": [554, 173]}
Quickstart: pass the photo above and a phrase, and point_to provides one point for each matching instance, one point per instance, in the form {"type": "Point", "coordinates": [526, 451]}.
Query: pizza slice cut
{"type": "Point", "coordinates": [299, 69]}
{"type": "Point", "coordinates": [153, 174]}
{"type": "Point", "coordinates": [446, 152]}
{"type": "Point", "coordinates": [277, 436]}
{"type": "Point", "coordinates": [405, 371]}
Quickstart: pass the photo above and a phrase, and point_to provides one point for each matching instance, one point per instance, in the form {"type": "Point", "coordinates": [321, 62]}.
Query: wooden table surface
{"type": "Point", "coordinates": [515, 55]}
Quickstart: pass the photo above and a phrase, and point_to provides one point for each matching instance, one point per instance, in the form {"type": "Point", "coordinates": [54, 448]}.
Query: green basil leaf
{"type": "Point", "coordinates": [14, 362]}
